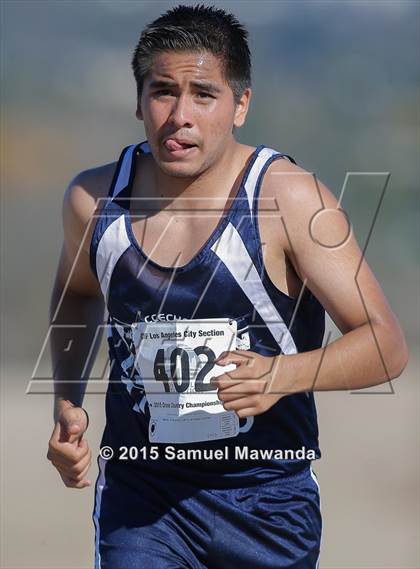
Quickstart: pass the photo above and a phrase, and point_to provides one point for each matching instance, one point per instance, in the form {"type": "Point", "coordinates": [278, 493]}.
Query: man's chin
{"type": "Point", "coordinates": [179, 169]}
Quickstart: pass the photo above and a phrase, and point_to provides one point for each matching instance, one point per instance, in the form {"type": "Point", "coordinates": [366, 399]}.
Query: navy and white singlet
{"type": "Point", "coordinates": [225, 279]}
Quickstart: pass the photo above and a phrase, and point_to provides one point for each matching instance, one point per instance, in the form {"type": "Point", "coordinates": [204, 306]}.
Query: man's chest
{"type": "Point", "coordinates": [174, 239]}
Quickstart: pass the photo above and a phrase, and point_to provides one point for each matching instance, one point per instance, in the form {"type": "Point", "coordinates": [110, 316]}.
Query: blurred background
{"type": "Point", "coordinates": [335, 85]}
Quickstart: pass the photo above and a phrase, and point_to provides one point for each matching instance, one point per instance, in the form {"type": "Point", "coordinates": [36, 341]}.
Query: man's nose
{"type": "Point", "coordinates": [181, 115]}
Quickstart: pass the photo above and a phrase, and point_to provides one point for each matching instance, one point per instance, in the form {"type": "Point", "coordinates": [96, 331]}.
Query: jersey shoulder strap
{"type": "Point", "coordinates": [108, 213]}
{"type": "Point", "coordinates": [253, 182]}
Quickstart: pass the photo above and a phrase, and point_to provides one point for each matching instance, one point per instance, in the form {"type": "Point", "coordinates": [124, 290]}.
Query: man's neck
{"type": "Point", "coordinates": [209, 190]}
{"type": "Point", "coordinates": [215, 182]}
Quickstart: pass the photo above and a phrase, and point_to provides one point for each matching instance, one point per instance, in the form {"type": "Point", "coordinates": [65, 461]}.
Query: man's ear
{"type": "Point", "coordinates": [139, 113]}
{"type": "Point", "coordinates": [242, 108]}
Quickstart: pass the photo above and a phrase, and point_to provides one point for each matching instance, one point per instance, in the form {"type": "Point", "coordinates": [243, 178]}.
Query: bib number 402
{"type": "Point", "coordinates": [183, 364]}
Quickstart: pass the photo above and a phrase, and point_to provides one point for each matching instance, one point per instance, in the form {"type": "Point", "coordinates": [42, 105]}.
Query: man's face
{"type": "Point", "coordinates": [188, 111]}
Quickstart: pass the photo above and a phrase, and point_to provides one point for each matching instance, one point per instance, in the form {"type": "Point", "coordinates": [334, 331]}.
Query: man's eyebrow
{"type": "Point", "coordinates": [207, 86]}
{"type": "Point", "coordinates": [165, 84]}
{"type": "Point", "coordinates": [161, 84]}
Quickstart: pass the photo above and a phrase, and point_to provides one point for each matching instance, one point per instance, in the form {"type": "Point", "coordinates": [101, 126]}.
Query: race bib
{"type": "Point", "coordinates": [176, 361]}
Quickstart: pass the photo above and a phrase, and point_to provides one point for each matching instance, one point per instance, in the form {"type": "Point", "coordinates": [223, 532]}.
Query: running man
{"type": "Point", "coordinates": [216, 262]}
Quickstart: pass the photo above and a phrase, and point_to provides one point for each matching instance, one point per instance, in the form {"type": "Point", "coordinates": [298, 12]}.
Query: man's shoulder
{"type": "Point", "coordinates": [284, 170]}
{"type": "Point", "coordinates": [95, 181]}
{"type": "Point", "coordinates": [302, 200]}
{"type": "Point", "coordinates": [292, 186]}
{"type": "Point", "coordinates": [84, 197]}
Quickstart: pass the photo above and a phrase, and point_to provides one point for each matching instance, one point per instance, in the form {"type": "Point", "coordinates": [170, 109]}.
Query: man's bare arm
{"type": "Point", "coordinates": [74, 338]}
{"type": "Point", "coordinates": [76, 300]}
{"type": "Point", "coordinates": [76, 313]}
{"type": "Point", "coordinates": [326, 255]}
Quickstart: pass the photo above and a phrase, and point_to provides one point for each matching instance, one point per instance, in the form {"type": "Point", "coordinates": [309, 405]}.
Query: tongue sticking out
{"type": "Point", "coordinates": [172, 144]}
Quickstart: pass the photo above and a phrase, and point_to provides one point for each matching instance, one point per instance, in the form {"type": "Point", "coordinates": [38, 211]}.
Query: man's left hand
{"type": "Point", "coordinates": [250, 388]}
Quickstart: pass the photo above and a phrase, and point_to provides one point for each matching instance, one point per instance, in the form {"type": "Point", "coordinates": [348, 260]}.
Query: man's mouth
{"type": "Point", "coordinates": [178, 147]}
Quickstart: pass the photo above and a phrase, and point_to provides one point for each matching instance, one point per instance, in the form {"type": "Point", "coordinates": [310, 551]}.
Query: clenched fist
{"type": "Point", "coordinates": [68, 450]}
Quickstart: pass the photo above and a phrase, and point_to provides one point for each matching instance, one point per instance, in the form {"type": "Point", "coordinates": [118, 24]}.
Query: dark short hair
{"type": "Point", "coordinates": [197, 28]}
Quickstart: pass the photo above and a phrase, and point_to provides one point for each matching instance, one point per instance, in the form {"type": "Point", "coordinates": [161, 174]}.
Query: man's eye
{"type": "Point", "coordinates": [203, 95]}
{"type": "Point", "coordinates": [163, 93]}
